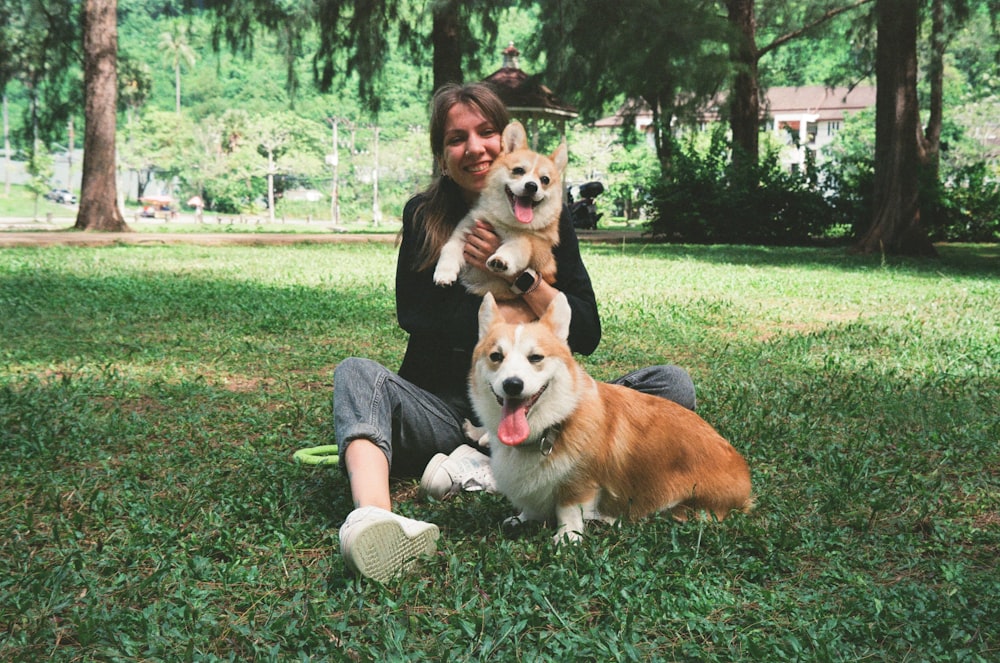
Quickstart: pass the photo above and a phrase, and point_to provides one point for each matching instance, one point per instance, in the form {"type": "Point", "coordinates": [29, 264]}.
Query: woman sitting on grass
{"type": "Point", "coordinates": [410, 423]}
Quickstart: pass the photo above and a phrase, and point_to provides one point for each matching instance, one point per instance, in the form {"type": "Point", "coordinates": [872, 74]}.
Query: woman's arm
{"type": "Point", "coordinates": [448, 314]}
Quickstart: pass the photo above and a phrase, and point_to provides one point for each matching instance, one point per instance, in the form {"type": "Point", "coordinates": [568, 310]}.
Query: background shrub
{"type": "Point", "coordinates": [702, 202]}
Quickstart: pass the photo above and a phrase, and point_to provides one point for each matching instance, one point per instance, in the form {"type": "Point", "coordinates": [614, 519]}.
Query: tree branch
{"type": "Point", "coordinates": [832, 13]}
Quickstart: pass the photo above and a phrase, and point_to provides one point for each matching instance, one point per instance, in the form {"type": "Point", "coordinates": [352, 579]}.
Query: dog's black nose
{"type": "Point", "coordinates": [513, 386]}
{"type": "Point", "coordinates": [530, 188]}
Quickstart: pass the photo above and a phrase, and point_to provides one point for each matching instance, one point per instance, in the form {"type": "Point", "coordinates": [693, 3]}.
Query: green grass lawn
{"type": "Point", "coordinates": [151, 398]}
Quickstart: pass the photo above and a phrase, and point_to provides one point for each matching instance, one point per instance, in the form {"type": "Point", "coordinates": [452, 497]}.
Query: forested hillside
{"type": "Point", "coordinates": [210, 106]}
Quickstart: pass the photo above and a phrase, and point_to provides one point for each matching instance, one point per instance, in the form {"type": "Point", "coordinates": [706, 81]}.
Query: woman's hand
{"type": "Point", "coordinates": [480, 243]}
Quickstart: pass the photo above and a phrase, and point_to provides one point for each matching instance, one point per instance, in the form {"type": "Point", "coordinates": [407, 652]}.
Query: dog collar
{"type": "Point", "coordinates": [546, 443]}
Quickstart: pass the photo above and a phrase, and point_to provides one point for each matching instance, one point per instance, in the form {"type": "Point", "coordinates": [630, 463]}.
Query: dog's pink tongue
{"type": "Point", "coordinates": [523, 209]}
{"type": "Point", "coordinates": [513, 429]}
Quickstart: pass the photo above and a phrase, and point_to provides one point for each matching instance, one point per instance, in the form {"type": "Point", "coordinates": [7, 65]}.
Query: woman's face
{"type": "Point", "coordinates": [471, 143]}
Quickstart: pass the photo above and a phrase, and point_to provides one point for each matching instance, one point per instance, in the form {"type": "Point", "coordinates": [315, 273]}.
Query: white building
{"type": "Point", "coordinates": [800, 117]}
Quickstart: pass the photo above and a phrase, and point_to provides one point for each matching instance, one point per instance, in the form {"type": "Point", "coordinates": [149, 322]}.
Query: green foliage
{"type": "Point", "coordinates": [849, 172]}
{"type": "Point", "coordinates": [969, 206]}
{"type": "Point", "coordinates": [384, 48]}
{"type": "Point", "coordinates": [40, 169]}
{"type": "Point", "coordinates": [151, 398]}
{"type": "Point", "coordinates": [836, 52]}
{"type": "Point", "coordinates": [702, 201]}
{"type": "Point", "coordinates": [629, 173]}
{"type": "Point", "coordinates": [962, 206]}
{"type": "Point", "coordinates": [39, 42]}
{"type": "Point", "coordinates": [591, 50]}
{"type": "Point", "coordinates": [160, 144]}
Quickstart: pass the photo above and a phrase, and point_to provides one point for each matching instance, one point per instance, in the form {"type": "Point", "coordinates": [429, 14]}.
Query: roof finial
{"type": "Point", "coordinates": [510, 57]}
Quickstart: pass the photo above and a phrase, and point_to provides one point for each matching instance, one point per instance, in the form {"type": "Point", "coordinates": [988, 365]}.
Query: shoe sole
{"type": "Point", "coordinates": [382, 550]}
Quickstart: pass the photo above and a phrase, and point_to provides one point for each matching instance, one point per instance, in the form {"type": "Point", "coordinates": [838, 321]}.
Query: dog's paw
{"type": "Point", "coordinates": [516, 527]}
{"type": "Point", "coordinates": [564, 536]}
{"type": "Point", "coordinates": [497, 264]}
{"type": "Point", "coordinates": [477, 434]}
{"type": "Point", "coordinates": [444, 276]}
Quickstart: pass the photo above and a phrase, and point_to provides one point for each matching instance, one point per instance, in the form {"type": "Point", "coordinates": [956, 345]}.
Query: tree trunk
{"type": "Point", "coordinates": [744, 102]}
{"type": "Point", "coordinates": [896, 220]}
{"type": "Point", "coordinates": [445, 37]}
{"type": "Point", "coordinates": [929, 138]}
{"type": "Point", "coordinates": [177, 87]}
{"type": "Point", "coordinates": [99, 191]}
{"type": "Point", "coordinates": [661, 97]}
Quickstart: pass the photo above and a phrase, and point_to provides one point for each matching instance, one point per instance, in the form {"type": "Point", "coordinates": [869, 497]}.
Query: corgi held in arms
{"type": "Point", "coordinates": [522, 200]}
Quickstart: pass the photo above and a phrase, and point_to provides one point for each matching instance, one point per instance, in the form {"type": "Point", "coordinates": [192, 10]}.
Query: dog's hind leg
{"type": "Point", "coordinates": [511, 257]}
{"type": "Point", "coordinates": [592, 511]}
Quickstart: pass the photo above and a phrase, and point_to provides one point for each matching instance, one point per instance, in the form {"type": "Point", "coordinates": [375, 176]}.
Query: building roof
{"type": "Point", "coordinates": [828, 103]}
{"type": "Point", "coordinates": [524, 94]}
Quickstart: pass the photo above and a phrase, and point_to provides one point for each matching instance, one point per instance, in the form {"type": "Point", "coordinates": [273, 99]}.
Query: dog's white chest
{"type": "Point", "coordinates": [530, 480]}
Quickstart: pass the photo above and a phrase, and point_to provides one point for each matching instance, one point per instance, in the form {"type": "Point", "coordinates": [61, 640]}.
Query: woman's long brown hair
{"type": "Point", "coordinates": [443, 206]}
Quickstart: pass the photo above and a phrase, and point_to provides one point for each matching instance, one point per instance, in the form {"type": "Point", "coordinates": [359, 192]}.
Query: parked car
{"type": "Point", "coordinates": [61, 196]}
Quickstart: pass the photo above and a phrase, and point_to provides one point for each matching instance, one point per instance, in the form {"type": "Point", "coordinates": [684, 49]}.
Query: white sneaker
{"type": "Point", "coordinates": [464, 469]}
{"type": "Point", "coordinates": [379, 544]}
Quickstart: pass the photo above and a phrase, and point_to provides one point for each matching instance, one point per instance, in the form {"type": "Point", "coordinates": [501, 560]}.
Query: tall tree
{"type": "Point", "coordinates": [744, 99]}
{"type": "Point", "coordinates": [176, 52]}
{"type": "Point", "coordinates": [447, 39]}
{"type": "Point", "coordinates": [36, 48]}
{"type": "Point", "coordinates": [99, 191]}
{"type": "Point", "coordinates": [945, 23]}
{"type": "Point", "coordinates": [6, 73]}
{"type": "Point", "coordinates": [670, 55]}
{"type": "Point", "coordinates": [896, 226]}
{"type": "Point", "coordinates": [354, 36]}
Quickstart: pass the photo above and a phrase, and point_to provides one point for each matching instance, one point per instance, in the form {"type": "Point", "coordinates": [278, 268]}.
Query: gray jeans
{"type": "Point", "coordinates": [410, 424]}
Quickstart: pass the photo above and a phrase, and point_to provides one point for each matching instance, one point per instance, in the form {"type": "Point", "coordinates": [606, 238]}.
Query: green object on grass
{"type": "Point", "coordinates": [324, 455]}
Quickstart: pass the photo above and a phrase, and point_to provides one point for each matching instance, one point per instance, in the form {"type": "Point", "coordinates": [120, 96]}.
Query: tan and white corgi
{"type": "Point", "coordinates": [522, 200]}
{"type": "Point", "coordinates": [565, 447]}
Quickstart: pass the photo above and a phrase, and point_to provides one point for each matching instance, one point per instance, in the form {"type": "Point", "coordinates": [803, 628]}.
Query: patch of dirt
{"type": "Point", "coordinates": [77, 238]}
{"type": "Point", "coordinates": [71, 238]}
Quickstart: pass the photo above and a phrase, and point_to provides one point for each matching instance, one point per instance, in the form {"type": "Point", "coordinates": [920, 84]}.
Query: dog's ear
{"type": "Point", "coordinates": [488, 313]}
{"type": "Point", "coordinates": [561, 156]}
{"type": "Point", "coordinates": [513, 137]}
{"type": "Point", "coordinates": [557, 316]}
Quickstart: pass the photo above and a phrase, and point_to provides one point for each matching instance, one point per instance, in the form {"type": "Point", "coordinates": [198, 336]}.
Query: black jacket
{"type": "Point", "coordinates": [443, 321]}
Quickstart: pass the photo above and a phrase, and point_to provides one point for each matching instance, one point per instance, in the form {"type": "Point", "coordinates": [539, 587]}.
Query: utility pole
{"type": "Point", "coordinates": [69, 155]}
{"type": "Point", "coordinates": [6, 148]}
{"type": "Point", "coordinates": [333, 160]}
{"type": "Point", "coordinates": [376, 210]}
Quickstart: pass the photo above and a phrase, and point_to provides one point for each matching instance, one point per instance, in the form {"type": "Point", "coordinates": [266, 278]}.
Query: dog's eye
{"type": "Point", "coordinates": [535, 358]}
{"type": "Point", "coordinates": [496, 356]}
{"type": "Point", "coordinates": [545, 180]}
{"type": "Point", "coordinates": [517, 170]}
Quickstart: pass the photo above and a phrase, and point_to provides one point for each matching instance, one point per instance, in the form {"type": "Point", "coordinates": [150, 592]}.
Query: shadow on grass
{"type": "Point", "coordinates": [52, 318]}
{"type": "Point", "coordinates": [975, 260]}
